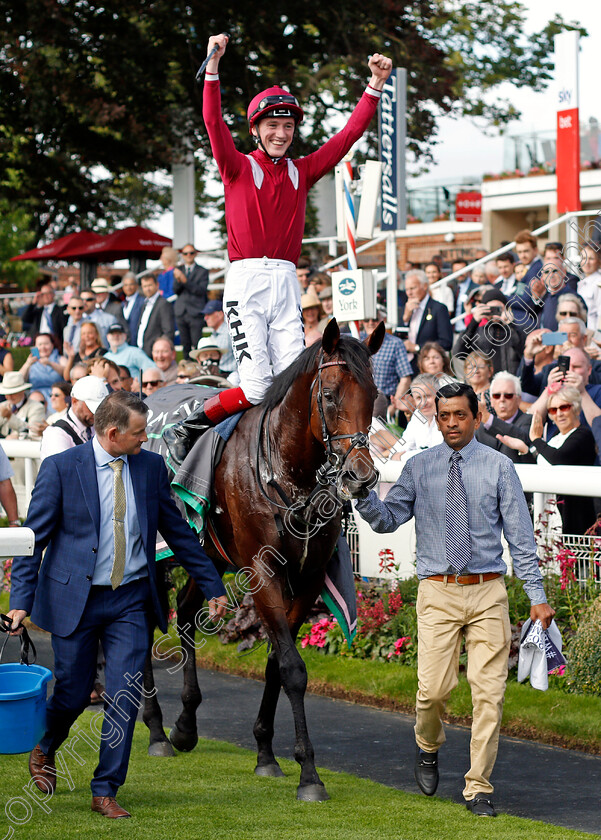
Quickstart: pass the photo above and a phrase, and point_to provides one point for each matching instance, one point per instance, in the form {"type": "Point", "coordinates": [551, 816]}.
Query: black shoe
{"type": "Point", "coordinates": [481, 806]}
{"type": "Point", "coordinates": [180, 438]}
{"type": "Point", "coordinates": [426, 771]}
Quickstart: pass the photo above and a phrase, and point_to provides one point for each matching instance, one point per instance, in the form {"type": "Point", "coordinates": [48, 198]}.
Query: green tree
{"type": "Point", "coordinates": [15, 237]}
{"type": "Point", "coordinates": [93, 95]}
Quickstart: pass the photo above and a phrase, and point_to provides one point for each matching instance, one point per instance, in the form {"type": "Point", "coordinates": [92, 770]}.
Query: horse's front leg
{"type": "Point", "coordinates": [152, 716]}
{"type": "Point", "coordinates": [293, 677]}
{"type": "Point", "coordinates": [267, 764]}
{"type": "Point", "coordinates": [184, 735]}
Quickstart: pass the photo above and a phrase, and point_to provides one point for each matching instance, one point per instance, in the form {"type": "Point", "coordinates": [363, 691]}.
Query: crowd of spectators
{"type": "Point", "coordinates": [522, 330]}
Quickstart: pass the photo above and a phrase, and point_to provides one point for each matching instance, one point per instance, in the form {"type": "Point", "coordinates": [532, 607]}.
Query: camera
{"type": "Point", "coordinates": [563, 363]}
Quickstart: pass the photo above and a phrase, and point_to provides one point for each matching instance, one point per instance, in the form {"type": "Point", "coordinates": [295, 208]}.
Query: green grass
{"type": "Point", "coordinates": [213, 793]}
{"type": "Point", "coordinates": [552, 716]}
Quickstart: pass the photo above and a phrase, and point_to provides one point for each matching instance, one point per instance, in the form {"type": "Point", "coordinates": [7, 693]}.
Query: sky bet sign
{"type": "Point", "coordinates": [568, 130]}
{"type": "Point", "coordinates": [392, 133]}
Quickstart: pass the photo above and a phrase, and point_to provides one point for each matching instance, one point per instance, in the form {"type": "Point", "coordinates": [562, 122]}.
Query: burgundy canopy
{"type": "Point", "coordinates": [61, 248]}
{"type": "Point", "coordinates": [122, 244]}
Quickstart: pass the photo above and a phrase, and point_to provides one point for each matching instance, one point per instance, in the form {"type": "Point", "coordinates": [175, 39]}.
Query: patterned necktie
{"type": "Point", "coordinates": [457, 534]}
{"type": "Point", "coordinates": [188, 270]}
{"type": "Point", "coordinates": [118, 523]}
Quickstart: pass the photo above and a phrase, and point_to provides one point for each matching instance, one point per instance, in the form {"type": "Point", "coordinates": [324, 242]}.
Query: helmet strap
{"type": "Point", "coordinates": [259, 142]}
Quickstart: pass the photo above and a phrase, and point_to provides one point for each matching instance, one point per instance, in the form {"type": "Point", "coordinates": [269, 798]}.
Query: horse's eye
{"type": "Point", "coordinates": [329, 397]}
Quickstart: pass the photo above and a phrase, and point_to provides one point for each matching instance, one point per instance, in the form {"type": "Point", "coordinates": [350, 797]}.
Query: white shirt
{"type": "Point", "coordinates": [508, 285]}
{"type": "Point", "coordinates": [590, 292]}
{"type": "Point", "coordinates": [55, 440]}
{"type": "Point", "coordinates": [148, 306]}
{"type": "Point", "coordinates": [128, 304]}
{"type": "Point", "coordinates": [416, 319]}
{"type": "Point", "coordinates": [46, 319]}
{"type": "Point", "coordinates": [419, 435]}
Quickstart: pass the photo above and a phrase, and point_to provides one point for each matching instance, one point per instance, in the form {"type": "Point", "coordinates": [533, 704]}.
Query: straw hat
{"type": "Point", "coordinates": [13, 383]}
{"type": "Point", "coordinates": [205, 344]}
{"type": "Point", "coordinates": [308, 300]}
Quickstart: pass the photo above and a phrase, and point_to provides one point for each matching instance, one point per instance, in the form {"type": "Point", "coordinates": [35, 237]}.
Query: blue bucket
{"type": "Point", "coordinates": [23, 690]}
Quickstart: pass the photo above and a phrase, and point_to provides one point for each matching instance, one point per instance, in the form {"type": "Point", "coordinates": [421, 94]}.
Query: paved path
{"type": "Point", "coordinates": [531, 780]}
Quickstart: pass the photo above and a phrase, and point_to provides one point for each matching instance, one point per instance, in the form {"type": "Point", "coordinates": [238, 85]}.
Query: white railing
{"type": "Point", "coordinates": [535, 479]}
{"type": "Point", "coordinates": [27, 453]}
{"type": "Point", "coordinates": [365, 543]}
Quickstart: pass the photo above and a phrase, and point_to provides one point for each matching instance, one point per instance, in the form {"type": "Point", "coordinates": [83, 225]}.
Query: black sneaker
{"type": "Point", "coordinates": [426, 771]}
{"type": "Point", "coordinates": [481, 806]}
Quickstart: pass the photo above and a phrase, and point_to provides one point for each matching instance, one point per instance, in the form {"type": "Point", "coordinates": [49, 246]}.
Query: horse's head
{"type": "Point", "coordinates": [342, 405]}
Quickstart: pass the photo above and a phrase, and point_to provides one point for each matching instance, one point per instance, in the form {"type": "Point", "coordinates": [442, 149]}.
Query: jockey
{"type": "Point", "coordinates": [265, 199]}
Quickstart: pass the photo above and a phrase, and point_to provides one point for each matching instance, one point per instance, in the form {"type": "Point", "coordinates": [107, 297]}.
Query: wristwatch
{"type": "Point", "coordinates": [15, 523]}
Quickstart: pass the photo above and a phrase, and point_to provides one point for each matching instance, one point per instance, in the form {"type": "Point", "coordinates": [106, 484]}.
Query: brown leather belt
{"type": "Point", "coordinates": [465, 580]}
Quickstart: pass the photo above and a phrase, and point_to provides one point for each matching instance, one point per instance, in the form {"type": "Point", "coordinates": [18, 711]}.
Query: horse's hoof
{"type": "Point", "coordinates": [161, 749]}
{"type": "Point", "coordinates": [274, 770]}
{"type": "Point", "coordinates": [183, 741]}
{"type": "Point", "coordinates": [312, 793]}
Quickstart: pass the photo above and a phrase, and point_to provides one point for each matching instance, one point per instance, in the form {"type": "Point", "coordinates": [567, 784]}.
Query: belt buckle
{"type": "Point", "coordinates": [458, 581]}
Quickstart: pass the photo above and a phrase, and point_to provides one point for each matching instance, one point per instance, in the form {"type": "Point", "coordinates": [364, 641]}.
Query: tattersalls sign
{"type": "Point", "coordinates": [568, 128]}
{"type": "Point", "coordinates": [392, 132]}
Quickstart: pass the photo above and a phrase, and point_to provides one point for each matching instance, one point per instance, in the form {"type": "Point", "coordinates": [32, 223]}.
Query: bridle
{"type": "Point", "coordinates": [328, 476]}
{"type": "Point", "coordinates": [328, 473]}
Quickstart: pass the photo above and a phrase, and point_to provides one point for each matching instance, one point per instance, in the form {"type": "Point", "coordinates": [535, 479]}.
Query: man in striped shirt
{"type": "Point", "coordinates": [462, 590]}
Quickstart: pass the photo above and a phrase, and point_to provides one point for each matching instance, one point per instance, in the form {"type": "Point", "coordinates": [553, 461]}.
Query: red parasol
{"type": "Point", "coordinates": [122, 244]}
{"type": "Point", "coordinates": [61, 248]}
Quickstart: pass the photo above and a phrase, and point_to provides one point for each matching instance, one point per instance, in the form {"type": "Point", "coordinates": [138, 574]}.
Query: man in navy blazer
{"type": "Point", "coordinates": [427, 319]}
{"type": "Point", "coordinates": [80, 596]}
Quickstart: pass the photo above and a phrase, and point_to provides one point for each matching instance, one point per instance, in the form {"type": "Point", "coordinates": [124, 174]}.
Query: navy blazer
{"type": "Point", "coordinates": [435, 325]}
{"type": "Point", "coordinates": [64, 514]}
{"type": "Point", "coordinates": [133, 320]}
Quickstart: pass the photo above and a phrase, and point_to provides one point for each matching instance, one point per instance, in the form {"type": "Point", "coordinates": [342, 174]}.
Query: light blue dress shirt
{"type": "Point", "coordinates": [133, 358]}
{"type": "Point", "coordinates": [135, 554]}
{"type": "Point", "coordinates": [495, 502]}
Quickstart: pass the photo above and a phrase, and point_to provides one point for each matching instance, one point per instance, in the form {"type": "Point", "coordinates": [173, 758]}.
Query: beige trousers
{"type": "Point", "coordinates": [446, 613]}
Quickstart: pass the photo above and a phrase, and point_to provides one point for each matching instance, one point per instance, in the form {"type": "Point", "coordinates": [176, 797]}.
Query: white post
{"type": "Point", "coordinates": [392, 309]}
{"type": "Point", "coordinates": [183, 202]}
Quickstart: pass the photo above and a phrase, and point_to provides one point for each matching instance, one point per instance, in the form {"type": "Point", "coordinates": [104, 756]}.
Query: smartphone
{"type": "Point", "coordinates": [35, 352]}
{"type": "Point", "coordinates": [563, 363]}
{"type": "Point", "coordinates": [552, 338]}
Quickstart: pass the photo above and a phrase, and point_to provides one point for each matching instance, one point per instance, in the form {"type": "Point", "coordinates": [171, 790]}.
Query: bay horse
{"type": "Point", "coordinates": [278, 493]}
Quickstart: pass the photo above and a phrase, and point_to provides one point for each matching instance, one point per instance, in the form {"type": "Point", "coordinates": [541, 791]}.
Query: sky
{"type": "Point", "coordinates": [465, 149]}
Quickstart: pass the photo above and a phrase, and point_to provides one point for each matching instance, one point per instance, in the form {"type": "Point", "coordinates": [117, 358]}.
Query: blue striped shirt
{"type": "Point", "coordinates": [495, 501]}
{"type": "Point", "coordinates": [390, 364]}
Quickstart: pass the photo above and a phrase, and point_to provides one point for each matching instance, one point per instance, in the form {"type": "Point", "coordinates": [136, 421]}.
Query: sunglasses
{"type": "Point", "coordinates": [563, 407]}
{"type": "Point", "coordinates": [153, 383]}
{"type": "Point", "coordinates": [89, 300]}
{"type": "Point", "coordinates": [569, 314]}
{"type": "Point", "coordinates": [188, 253]}
{"type": "Point", "coordinates": [76, 308]}
{"type": "Point", "coordinates": [507, 396]}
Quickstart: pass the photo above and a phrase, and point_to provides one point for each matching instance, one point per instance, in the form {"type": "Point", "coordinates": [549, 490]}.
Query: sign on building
{"type": "Point", "coordinates": [468, 207]}
{"type": "Point", "coordinates": [392, 126]}
{"type": "Point", "coordinates": [568, 130]}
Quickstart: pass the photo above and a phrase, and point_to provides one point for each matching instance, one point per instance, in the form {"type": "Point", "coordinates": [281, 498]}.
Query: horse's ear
{"type": "Point", "coordinates": [331, 337]}
{"type": "Point", "coordinates": [374, 342]}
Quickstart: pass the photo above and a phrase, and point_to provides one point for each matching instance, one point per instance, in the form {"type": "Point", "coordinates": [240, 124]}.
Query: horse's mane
{"type": "Point", "coordinates": [353, 352]}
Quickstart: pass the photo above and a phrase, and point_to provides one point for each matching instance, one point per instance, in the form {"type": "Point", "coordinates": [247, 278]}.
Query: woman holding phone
{"type": "Point", "coordinates": [44, 366]}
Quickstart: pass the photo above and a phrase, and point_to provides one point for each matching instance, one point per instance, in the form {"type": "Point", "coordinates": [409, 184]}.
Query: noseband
{"type": "Point", "coordinates": [329, 472]}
